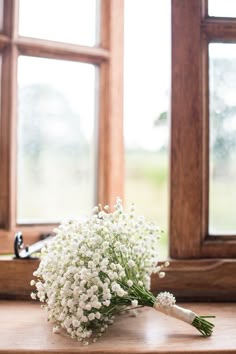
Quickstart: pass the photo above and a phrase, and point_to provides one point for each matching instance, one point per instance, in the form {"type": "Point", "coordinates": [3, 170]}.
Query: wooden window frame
{"type": "Point", "coordinates": [189, 184]}
{"type": "Point", "coordinates": [108, 56]}
{"type": "Point", "coordinates": [201, 268]}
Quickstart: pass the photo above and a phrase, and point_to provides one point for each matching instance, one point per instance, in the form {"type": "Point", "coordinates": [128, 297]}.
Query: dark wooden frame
{"type": "Point", "coordinates": [189, 184]}
{"type": "Point", "coordinates": [201, 280]}
{"type": "Point", "coordinates": [108, 56]}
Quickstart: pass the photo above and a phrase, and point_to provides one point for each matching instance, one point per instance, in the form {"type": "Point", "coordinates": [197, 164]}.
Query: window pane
{"type": "Point", "coordinates": [146, 107]}
{"type": "Point", "coordinates": [1, 15]}
{"type": "Point", "coordinates": [222, 8]}
{"type": "Point", "coordinates": [72, 21]}
{"type": "Point", "coordinates": [55, 139]}
{"type": "Point", "coordinates": [222, 138]}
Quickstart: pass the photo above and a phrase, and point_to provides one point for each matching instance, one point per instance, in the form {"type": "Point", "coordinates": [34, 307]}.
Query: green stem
{"type": "Point", "coordinates": [203, 326]}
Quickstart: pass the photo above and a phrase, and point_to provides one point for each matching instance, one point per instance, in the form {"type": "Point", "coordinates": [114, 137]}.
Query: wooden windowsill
{"type": "Point", "coordinates": [24, 329]}
{"type": "Point", "coordinates": [188, 280]}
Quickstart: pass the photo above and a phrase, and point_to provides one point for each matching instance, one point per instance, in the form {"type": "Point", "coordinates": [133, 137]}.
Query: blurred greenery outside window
{"type": "Point", "coordinates": [222, 83]}
{"type": "Point", "coordinates": [146, 109]}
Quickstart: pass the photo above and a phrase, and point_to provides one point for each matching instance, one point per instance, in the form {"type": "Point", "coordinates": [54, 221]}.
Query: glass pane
{"type": "Point", "coordinates": [222, 8]}
{"type": "Point", "coordinates": [146, 108]}
{"type": "Point", "coordinates": [1, 15]}
{"type": "Point", "coordinates": [55, 139]}
{"type": "Point", "coordinates": [222, 138]}
{"type": "Point", "coordinates": [71, 21]}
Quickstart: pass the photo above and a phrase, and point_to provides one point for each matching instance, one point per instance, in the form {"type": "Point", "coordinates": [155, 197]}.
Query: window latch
{"type": "Point", "coordinates": [23, 252]}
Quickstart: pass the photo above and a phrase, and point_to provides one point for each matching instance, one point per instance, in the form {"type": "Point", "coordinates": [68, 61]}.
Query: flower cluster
{"type": "Point", "coordinates": [165, 299]}
{"type": "Point", "coordinates": [96, 268]}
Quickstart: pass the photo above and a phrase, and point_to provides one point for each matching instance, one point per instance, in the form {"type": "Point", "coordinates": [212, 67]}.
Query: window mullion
{"type": "Point", "coordinates": [8, 137]}
{"type": "Point", "coordinates": [8, 116]}
{"type": "Point", "coordinates": [65, 51]}
{"type": "Point", "coordinates": [186, 180]}
{"type": "Point", "coordinates": [111, 149]}
{"type": "Point", "coordinates": [11, 14]}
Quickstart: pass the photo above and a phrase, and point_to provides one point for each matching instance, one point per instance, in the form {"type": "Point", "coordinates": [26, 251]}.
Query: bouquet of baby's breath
{"type": "Point", "coordinates": [94, 269]}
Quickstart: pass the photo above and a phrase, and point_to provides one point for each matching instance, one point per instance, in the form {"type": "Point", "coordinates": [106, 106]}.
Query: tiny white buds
{"type": "Point", "coordinates": [134, 303]}
{"type": "Point", "coordinates": [162, 274]}
{"type": "Point", "coordinates": [33, 296]}
{"type": "Point", "coordinates": [56, 329]}
{"type": "Point", "coordinates": [93, 264]}
{"type": "Point", "coordinates": [95, 209]}
{"type": "Point", "coordinates": [131, 263]}
{"type": "Point", "coordinates": [165, 299]}
{"type": "Point", "coordinates": [129, 283]}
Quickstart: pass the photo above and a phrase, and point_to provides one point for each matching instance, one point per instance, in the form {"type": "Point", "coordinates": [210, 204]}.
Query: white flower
{"type": "Point", "coordinates": [134, 303]}
{"type": "Point", "coordinates": [67, 322]}
{"type": "Point", "coordinates": [98, 315]}
{"type": "Point", "coordinates": [91, 316]}
{"type": "Point", "coordinates": [121, 292]}
{"type": "Point", "coordinates": [75, 323]}
{"type": "Point", "coordinates": [84, 297]}
{"type": "Point", "coordinates": [165, 299]}
{"type": "Point", "coordinates": [129, 283]}
{"type": "Point", "coordinates": [95, 209]}
{"type": "Point", "coordinates": [33, 296]}
{"type": "Point", "coordinates": [97, 305]}
{"type": "Point", "coordinates": [56, 329]}
{"type": "Point", "coordinates": [84, 319]}
{"type": "Point", "coordinates": [131, 263]}
{"type": "Point", "coordinates": [115, 286]}
{"type": "Point", "coordinates": [92, 264]}
{"type": "Point", "coordinates": [106, 303]}
{"type": "Point", "coordinates": [70, 303]}
{"type": "Point", "coordinates": [162, 274]}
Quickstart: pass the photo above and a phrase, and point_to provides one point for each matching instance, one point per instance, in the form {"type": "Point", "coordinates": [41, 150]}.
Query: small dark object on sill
{"type": "Point", "coordinates": [25, 252]}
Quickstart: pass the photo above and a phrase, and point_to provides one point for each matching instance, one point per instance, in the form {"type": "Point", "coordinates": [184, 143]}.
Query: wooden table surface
{"type": "Point", "coordinates": [24, 329]}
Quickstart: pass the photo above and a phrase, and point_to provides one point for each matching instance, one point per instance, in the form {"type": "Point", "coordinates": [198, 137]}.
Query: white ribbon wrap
{"type": "Point", "coordinates": [177, 312]}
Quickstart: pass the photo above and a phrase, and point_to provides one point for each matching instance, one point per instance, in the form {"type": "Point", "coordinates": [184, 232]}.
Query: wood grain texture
{"type": "Point", "coordinates": [186, 131]}
{"type": "Point", "coordinates": [8, 138]}
{"type": "Point", "coordinates": [201, 280]}
{"type": "Point", "coordinates": [24, 329]}
{"type": "Point", "coordinates": [63, 51]}
{"type": "Point", "coordinates": [219, 247]}
{"type": "Point", "coordinates": [8, 117]}
{"type": "Point", "coordinates": [219, 29]}
{"type": "Point", "coordinates": [192, 30]}
{"type": "Point", "coordinates": [4, 41]}
{"type": "Point", "coordinates": [15, 277]}
{"type": "Point", "coordinates": [110, 137]}
{"type": "Point", "coordinates": [10, 18]}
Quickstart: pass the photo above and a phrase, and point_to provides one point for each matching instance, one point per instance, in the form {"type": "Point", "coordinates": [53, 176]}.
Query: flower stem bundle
{"type": "Point", "coordinates": [94, 269]}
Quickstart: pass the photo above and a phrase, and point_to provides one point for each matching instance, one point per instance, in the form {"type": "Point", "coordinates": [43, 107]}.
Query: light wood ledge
{"type": "Point", "coordinates": [24, 329]}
